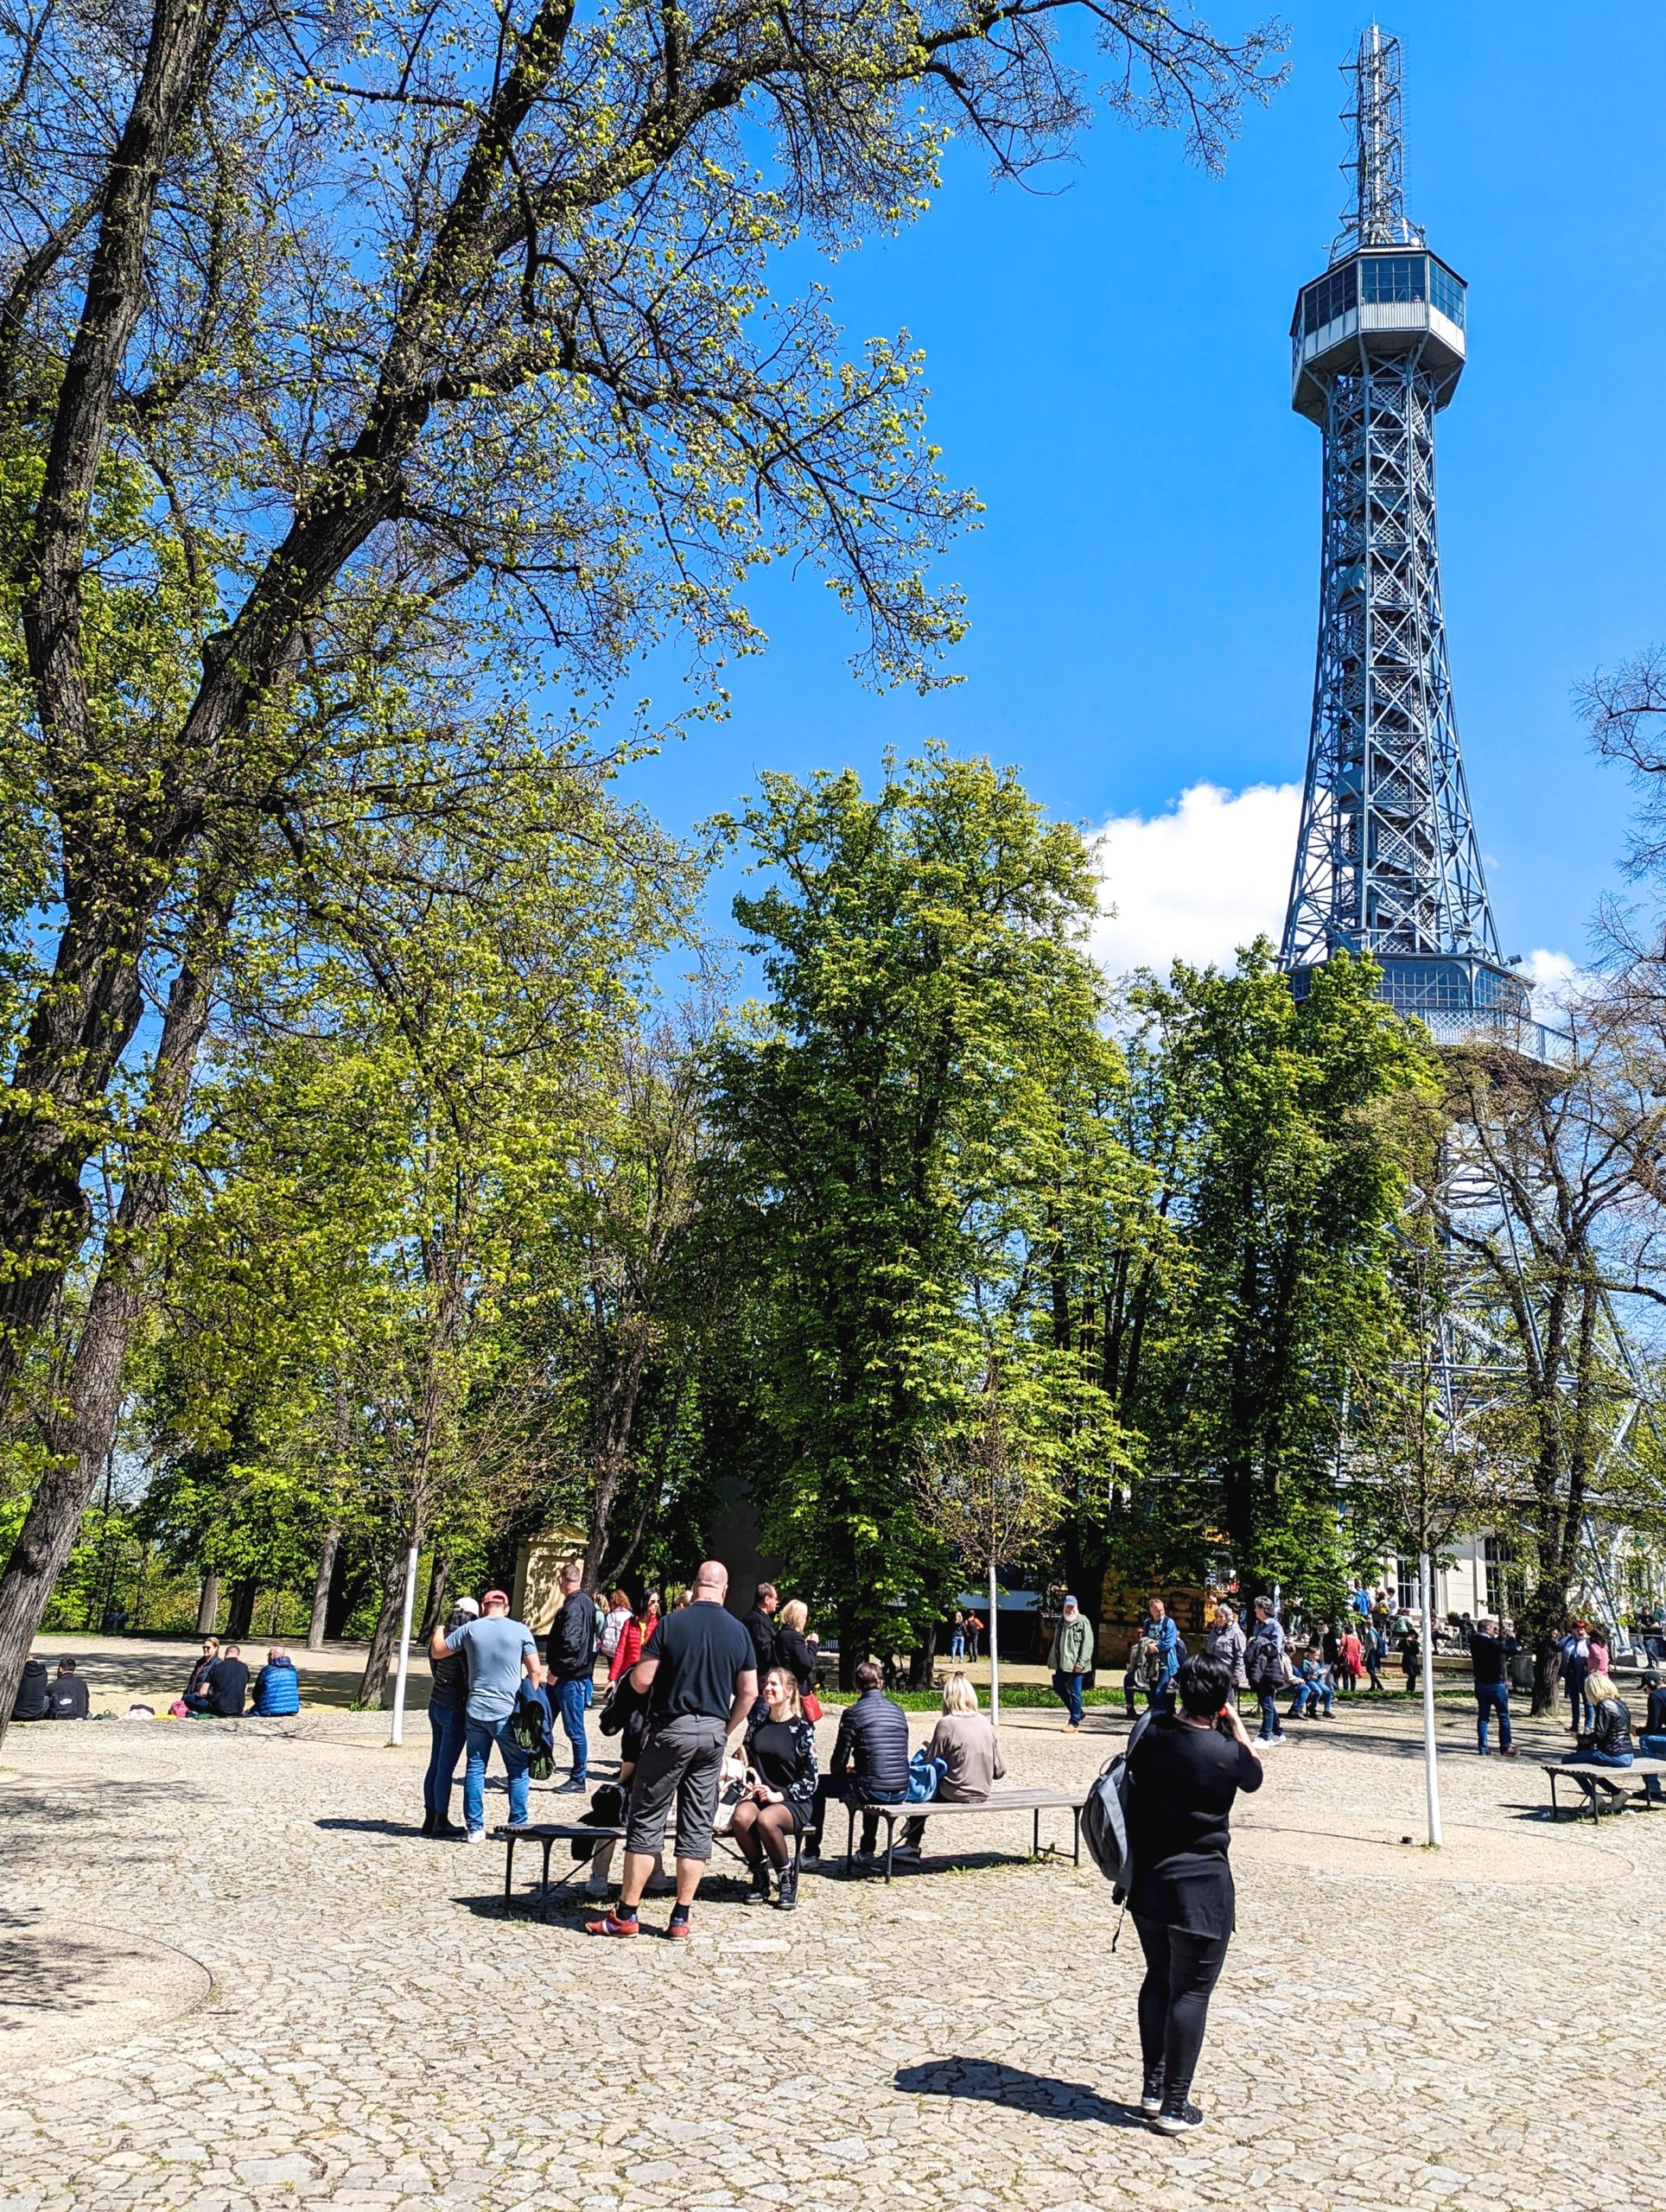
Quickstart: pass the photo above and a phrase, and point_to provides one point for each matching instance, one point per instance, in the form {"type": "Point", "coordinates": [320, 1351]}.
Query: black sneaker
{"type": "Point", "coordinates": [788, 1899]}
{"type": "Point", "coordinates": [1178, 2119]}
{"type": "Point", "coordinates": [758, 1890]}
{"type": "Point", "coordinates": [1151, 2097]}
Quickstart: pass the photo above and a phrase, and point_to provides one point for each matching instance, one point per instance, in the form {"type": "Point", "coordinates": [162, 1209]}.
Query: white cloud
{"type": "Point", "coordinates": [1199, 881]}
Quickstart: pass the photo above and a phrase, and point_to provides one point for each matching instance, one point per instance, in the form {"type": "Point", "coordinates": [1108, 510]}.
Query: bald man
{"type": "Point", "coordinates": [699, 1664]}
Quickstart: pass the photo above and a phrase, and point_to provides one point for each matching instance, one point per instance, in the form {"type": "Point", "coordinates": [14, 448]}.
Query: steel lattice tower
{"type": "Point", "coordinates": [1387, 862]}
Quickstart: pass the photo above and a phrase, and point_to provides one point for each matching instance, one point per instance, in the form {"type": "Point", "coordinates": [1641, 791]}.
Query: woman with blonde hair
{"type": "Point", "coordinates": [780, 1787]}
{"type": "Point", "coordinates": [964, 1739]}
{"type": "Point", "coordinates": [792, 1651]}
{"type": "Point", "coordinates": [1608, 1740]}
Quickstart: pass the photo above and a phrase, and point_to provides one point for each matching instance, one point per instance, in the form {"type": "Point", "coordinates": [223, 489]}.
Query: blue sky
{"type": "Point", "coordinates": [1108, 365]}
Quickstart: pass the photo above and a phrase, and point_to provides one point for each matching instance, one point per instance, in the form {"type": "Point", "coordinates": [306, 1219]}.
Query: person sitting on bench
{"type": "Point", "coordinates": [1652, 1743]}
{"type": "Point", "coordinates": [780, 1787]}
{"type": "Point", "coordinates": [964, 1739]}
{"type": "Point", "coordinates": [870, 1757]}
{"type": "Point", "coordinates": [1608, 1741]}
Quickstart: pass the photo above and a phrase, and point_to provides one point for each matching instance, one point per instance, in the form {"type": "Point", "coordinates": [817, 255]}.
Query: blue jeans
{"type": "Point", "coordinates": [574, 1703]}
{"type": "Point", "coordinates": [957, 1645]}
{"type": "Point", "coordinates": [1268, 1700]}
{"type": "Point", "coordinates": [446, 1727]}
{"type": "Point", "coordinates": [1583, 1713]}
{"type": "Point", "coordinates": [1309, 1697]}
{"type": "Point", "coordinates": [1069, 1686]}
{"type": "Point", "coordinates": [1490, 1698]}
{"type": "Point", "coordinates": [481, 1737]}
{"type": "Point", "coordinates": [1652, 1747]}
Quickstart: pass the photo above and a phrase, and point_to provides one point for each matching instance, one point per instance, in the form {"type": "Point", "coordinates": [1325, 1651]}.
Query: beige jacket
{"type": "Point", "coordinates": [966, 1744]}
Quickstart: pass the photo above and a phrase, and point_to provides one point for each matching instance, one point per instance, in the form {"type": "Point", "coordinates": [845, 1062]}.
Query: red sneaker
{"type": "Point", "coordinates": [678, 1931]}
{"type": "Point", "coordinates": [611, 1924]}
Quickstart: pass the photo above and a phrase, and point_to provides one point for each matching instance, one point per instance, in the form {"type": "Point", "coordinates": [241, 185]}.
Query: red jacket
{"type": "Point", "coordinates": [628, 1649]}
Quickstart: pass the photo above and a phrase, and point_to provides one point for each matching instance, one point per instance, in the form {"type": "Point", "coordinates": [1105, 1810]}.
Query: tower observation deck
{"type": "Point", "coordinates": [1387, 862]}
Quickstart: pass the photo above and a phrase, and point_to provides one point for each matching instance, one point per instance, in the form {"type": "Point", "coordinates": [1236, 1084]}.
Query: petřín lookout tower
{"type": "Point", "coordinates": [1387, 862]}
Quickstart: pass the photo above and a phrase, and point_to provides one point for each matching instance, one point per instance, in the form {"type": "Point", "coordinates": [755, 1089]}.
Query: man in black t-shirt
{"type": "Point", "coordinates": [1490, 1652]}
{"type": "Point", "coordinates": [224, 1687]}
{"type": "Point", "coordinates": [699, 1667]}
{"type": "Point", "coordinates": [572, 1667]}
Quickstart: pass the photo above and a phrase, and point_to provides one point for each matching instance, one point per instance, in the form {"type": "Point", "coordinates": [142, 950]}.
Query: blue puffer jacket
{"type": "Point", "coordinates": [277, 1689]}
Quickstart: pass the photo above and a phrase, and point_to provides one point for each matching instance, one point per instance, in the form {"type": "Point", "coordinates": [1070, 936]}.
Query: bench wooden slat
{"type": "Point", "coordinates": [1612, 1777]}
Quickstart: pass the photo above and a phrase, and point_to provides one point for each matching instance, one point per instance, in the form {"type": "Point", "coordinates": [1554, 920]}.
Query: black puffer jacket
{"type": "Point", "coordinates": [873, 1741]}
{"type": "Point", "coordinates": [1612, 1733]}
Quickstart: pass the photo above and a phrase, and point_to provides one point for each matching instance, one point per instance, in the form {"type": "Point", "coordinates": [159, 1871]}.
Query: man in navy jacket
{"type": "Point", "coordinates": [870, 1755]}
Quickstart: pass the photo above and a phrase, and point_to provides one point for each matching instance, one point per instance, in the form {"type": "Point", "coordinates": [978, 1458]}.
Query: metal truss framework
{"type": "Point", "coordinates": [1387, 860]}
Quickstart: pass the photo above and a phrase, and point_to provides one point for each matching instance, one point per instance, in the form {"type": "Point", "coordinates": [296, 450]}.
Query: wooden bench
{"type": "Point", "coordinates": [1035, 1801]}
{"type": "Point", "coordinates": [1614, 1777]}
{"type": "Point", "coordinates": [548, 1834]}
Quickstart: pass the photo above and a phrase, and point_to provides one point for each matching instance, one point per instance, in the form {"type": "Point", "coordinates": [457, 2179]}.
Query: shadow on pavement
{"type": "Point", "coordinates": [376, 1827]}
{"type": "Point", "coordinates": [988, 2083]}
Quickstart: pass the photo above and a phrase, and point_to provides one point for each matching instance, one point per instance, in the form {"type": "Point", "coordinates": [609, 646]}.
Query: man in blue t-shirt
{"type": "Point", "coordinates": [498, 1652]}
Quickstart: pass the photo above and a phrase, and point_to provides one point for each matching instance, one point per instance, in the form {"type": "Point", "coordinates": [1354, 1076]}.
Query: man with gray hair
{"type": "Point", "coordinates": [1489, 1655]}
{"type": "Point", "coordinates": [699, 1667]}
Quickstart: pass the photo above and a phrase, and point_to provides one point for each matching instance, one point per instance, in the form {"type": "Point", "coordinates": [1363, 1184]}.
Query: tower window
{"type": "Point", "coordinates": [1392, 277]}
{"type": "Point", "coordinates": [1447, 294]}
{"type": "Point", "coordinates": [1332, 295]}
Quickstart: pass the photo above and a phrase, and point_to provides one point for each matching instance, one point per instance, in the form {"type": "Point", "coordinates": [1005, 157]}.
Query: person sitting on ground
{"type": "Point", "coordinates": [1608, 1741]}
{"type": "Point", "coordinates": [277, 1686]}
{"type": "Point", "coordinates": [34, 1699]}
{"type": "Point", "coordinates": [199, 1666]}
{"type": "Point", "coordinates": [1183, 1774]}
{"type": "Point", "coordinates": [780, 1791]}
{"type": "Point", "coordinates": [633, 1636]}
{"type": "Point", "coordinates": [69, 1693]}
{"type": "Point", "coordinates": [870, 1759]}
{"type": "Point", "coordinates": [224, 1687]}
{"type": "Point", "coordinates": [1314, 1694]}
{"type": "Point", "coordinates": [964, 1739]}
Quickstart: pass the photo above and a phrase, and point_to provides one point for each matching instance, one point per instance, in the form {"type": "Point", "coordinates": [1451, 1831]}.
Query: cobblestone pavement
{"type": "Point", "coordinates": [376, 2031]}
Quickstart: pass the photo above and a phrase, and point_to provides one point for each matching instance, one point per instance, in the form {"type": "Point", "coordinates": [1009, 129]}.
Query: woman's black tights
{"type": "Point", "coordinates": [1181, 1971]}
{"type": "Point", "coordinates": [759, 1828]}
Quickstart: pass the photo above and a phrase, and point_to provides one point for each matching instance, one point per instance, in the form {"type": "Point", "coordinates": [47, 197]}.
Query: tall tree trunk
{"type": "Point", "coordinates": [241, 1617]}
{"type": "Point", "coordinates": [349, 1580]}
{"type": "Point", "coordinates": [81, 1433]}
{"type": "Point", "coordinates": [439, 1587]}
{"type": "Point", "coordinates": [385, 1637]}
{"type": "Point", "coordinates": [208, 1604]}
{"type": "Point", "coordinates": [321, 1596]}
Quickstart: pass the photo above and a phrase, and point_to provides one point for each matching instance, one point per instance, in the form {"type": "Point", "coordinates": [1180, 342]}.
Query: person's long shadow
{"type": "Point", "coordinates": [373, 1828]}
{"type": "Point", "coordinates": [1015, 2088]}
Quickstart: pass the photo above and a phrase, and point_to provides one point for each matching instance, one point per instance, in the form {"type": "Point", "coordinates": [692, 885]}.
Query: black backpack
{"type": "Point", "coordinates": [1104, 1817]}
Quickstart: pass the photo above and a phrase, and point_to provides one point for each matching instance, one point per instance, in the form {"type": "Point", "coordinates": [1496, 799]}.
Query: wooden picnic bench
{"type": "Point", "coordinates": [1035, 1801]}
{"type": "Point", "coordinates": [1614, 1779]}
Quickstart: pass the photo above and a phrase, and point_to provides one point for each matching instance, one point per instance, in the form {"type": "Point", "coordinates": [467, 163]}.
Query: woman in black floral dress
{"type": "Point", "coordinates": [780, 1787]}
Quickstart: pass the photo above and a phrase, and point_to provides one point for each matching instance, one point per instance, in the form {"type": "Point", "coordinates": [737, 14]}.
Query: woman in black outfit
{"type": "Point", "coordinates": [780, 1787]}
{"type": "Point", "coordinates": [1183, 1775]}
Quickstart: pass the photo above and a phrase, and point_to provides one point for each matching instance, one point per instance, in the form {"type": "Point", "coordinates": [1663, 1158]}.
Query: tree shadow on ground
{"type": "Point", "coordinates": [1015, 2089]}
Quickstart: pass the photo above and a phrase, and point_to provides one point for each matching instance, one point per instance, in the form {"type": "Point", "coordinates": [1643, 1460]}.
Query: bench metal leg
{"type": "Point", "coordinates": [1035, 1834]}
{"type": "Point", "coordinates": [890, 1839]}
{"type": "Point", "coordinates": [1075, 1821]}
{"type": "Point", "coordinates": [850, 1837]}
{"type": "Point", "coordinates": [509, 1870]}
{"type": "Point", "coordinates": [544, 1884]}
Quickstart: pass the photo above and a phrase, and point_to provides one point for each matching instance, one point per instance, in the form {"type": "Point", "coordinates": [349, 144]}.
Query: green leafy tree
{"type": "Point", "coordinates": [1286, 1135]}
{"type": "Point", "coordinates": [891, 1113]}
